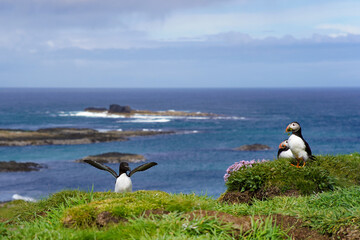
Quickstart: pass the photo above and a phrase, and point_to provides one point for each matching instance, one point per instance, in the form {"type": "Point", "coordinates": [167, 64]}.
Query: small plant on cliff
{"type": "Point", "coordinates": [240, 176]}
{"type": "Point", "coordinates": [240, 165]}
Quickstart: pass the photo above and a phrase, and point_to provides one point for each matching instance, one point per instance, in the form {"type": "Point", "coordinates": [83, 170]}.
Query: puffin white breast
{"type": "Point", "coordinates": [286, 154]}
{"type": "Point", "coordinates": [297, 147]}
{"type": "Point", "coordinates": [123, 184]}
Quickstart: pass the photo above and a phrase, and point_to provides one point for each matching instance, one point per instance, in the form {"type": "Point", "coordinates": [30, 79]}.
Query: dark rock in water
{"type": "Point", "coordinates": [115, 108]}
{"type": "Point", "coordinates": [127, 111]}
{"type": "Point", "coordinates": [95, 109]}
{"type": "Point", "coordinates": [114, 157]}
{"type": "Point", "coordinates": [253, 147]}
{"type": "Point", "coordinates": [13, 166]}
{"type": "Point", "coordinates": [67, 136]}
{"type": "Point", "coordinates": [67, 131]}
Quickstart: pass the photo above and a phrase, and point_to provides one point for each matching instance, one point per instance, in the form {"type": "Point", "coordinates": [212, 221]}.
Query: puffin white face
{"type": "Point", "coordinates": [284, 144]}
{"type": "Point", "coordinates": [293, 127]}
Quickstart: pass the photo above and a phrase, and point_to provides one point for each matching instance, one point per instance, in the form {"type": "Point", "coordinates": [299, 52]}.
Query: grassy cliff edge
{"type": "Point", "coordinates": [327, 207]}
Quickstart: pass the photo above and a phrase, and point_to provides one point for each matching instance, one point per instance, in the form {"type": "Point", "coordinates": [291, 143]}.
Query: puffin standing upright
{"type": "Point", "coordinates": [284, 150]}
{"type": "Point", "coordinates": [123, 181]}
{"type": "Point", "coordinates": [297, 144]}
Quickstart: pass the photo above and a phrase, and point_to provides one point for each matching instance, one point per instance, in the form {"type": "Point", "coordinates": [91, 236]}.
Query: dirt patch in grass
{"type": "Point", "coordinates": [348, 233]}
{"type": "Point", "coordinates": [295, 228]}
{"type": "Point", "coordinates": [237, 197]}
{"type": "Point", "coordinates": [261, 194]}
{"type": "Point", "coordinates": [152, 212]}
{"type": "Point", "coordinates": [101, 220]}
{"type": "Point", "coordinates": [105, 218]}
{"type": "Point", "coordinates": [238, 223]}
{"type": "Point", "coordinates": [292, 225]}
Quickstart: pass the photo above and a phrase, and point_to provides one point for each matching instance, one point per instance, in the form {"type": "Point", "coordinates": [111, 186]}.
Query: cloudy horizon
{"type": "Point", "coordinates": [158, 43]}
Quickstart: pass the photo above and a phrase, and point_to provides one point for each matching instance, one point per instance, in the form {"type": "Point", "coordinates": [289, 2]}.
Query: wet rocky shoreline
{"type": "Point", "coordinates": [67, 136]}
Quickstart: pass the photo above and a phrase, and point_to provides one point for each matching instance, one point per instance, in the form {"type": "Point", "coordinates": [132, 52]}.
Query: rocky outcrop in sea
{"type": "Point", "coordinates": [127, 111]}
{"type": "Point", "coordinates": [114, 157]}
{"type": "Point", "coordinates": [13, 166]}
{"type": "Point", "coordinates": [253, 147]}
{"type": "Point", "coordinates": [67, 136]}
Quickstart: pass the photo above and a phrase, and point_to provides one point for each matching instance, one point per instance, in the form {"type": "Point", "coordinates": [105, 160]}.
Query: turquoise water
{"type": "Point", "coordinates": [192, 160]}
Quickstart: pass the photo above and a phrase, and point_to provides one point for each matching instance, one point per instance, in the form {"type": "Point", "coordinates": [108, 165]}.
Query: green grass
{"type": "Point", "coordinates": [264, 229]}
{"type": "Point", "coordinates": [323, 174]}
{"type": "Point", "coordinates": [327, 212]}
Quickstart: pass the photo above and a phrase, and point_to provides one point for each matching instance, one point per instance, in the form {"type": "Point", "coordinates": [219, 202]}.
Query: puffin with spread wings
{"type": "Point", "coordinates": [123, 181]}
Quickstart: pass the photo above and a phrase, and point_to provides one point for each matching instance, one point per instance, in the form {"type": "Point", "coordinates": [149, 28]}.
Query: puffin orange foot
{"type": "Point", "coordinates": [302, 165]}
{"type": "Point", "coordinates": [298, 164]}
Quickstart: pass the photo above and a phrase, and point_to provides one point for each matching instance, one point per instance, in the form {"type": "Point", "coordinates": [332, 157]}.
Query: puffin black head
{"type": "Point", "coordinates": [293, 127]}
{"type": "Point", "coordinates": [124, 167]}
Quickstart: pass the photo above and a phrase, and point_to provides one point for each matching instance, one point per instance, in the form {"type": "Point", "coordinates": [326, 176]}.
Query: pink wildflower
{"type": "Point", "coordinates": [241, 165]}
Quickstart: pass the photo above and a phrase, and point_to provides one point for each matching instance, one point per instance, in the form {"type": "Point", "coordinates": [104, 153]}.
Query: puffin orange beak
{"type": "Point", "coordinates": [281, 145]}
{"type": "Point", "coordinates": [288, 129]}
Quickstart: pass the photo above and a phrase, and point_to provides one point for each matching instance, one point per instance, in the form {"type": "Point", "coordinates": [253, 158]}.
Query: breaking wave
{"type": "Point", "coordinates": [154, 120]}
{"type": "Point", "coordinates": [89, 114]}
{"type": "Point", "coordinates": [137, 118]}
{"type": "Point", "coordinates": [25, 198]}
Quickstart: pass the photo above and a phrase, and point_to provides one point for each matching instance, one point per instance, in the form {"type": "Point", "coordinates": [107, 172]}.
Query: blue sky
{"type": "Point", "coordinates": [179, 43]}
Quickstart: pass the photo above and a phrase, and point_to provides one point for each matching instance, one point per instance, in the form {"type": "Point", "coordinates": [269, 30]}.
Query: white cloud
{"type": "Point", "coordinates": [299, 21]}
{"type": "Point", "coordinates": [124, 24]}
{"type": "Point", "coordinates": [50, 43]}
{"type": "Point", "coordinates": [341, 29]}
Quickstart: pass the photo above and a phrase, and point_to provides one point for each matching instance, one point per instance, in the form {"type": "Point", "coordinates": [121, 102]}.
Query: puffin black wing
{"type": "Point", "coordinates": [142, 167]}
{"type": "Point", "coordinates": [279, 151]}
{"type": "Point", "coordinates": [102, 167]}
{"type": "Point", "coordinates": [307, 148]}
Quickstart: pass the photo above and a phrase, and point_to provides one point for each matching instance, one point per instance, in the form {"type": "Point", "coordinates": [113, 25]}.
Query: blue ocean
{"type": "Point", "coordinates": [195, 158]}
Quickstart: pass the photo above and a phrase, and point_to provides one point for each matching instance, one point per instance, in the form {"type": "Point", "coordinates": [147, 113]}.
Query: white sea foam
{"type": "Point", "coordinates": [152, 120]}
{"type": "Point", "coordinates": [189, 132]}
{"type": "Point", "coordinates": [102, 130]}
{"type": "Point", "coordinates": [170, 110]}
{"type": "Point", "coordinates": [168, 117]}
{"type": "Point", "coordinates": [198, 118]}
{"type": "Point", "coordinates": [19, 197]}
{"type": "Point", "coordinates": [152, 130]}
{"type": "Point", "coordinates": [89, 114]}
{"type": "Point", "coordinates": [152, 116]}
{"type": "Point", "coordinates": [230, 118]}
{"type": "Point", "coordinates": [108, 130]}
{"type": "Point", "coordinates": [138, 118]}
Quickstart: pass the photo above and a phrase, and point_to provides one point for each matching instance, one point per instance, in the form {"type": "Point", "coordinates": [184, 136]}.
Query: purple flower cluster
{"type": "Point", "coordinates": [241, 165]}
